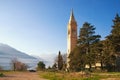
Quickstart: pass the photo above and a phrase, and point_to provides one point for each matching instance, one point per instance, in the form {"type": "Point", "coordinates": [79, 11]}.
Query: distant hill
{"type": "Point", "coordinates": [7, 53]}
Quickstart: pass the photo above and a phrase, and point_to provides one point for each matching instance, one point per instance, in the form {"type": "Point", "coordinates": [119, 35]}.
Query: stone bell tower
{"type": "Point", "coordinates": [71, 36]}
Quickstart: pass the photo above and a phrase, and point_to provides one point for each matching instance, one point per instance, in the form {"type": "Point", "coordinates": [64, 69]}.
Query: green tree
{"type": "Point", "coordinates": [108, 55]}
{"type": "Point", "coordinates": [41, 65]}
{"type": "Point", "coordinates": [114, 40]}
{"type": "Point", "coordinates": [77, 59]}
{"type": "Point", "coordinates": [114, 37]}
{"type": "Point", "coordinates": [54, 66]}
{"type": "Point", "coordinates": [60, 61]}
{"type": "Point", "coordinates": [87, 38]}
{"type": "Point", "coordinates": [83, 53]}
{"type": "Point", "coordinates": [103, 54]}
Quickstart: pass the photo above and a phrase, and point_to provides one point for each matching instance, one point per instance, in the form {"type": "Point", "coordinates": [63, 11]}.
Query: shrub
{"type": "Point", "coordinates": [41, 66]}
{"type": "Point", "coordinates": [1, 75]}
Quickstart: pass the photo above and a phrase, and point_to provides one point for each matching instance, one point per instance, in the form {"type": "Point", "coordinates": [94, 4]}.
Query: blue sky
{"type": "Point", "coordinates": [39, 27]}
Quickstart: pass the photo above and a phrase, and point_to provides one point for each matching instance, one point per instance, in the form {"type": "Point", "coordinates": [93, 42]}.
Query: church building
{"type": "Point", "coordinates": [72, 38]}
{"type": "Point", "coordinates": [71, 35]}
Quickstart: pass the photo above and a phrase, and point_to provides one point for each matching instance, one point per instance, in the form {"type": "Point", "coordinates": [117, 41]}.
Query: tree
{"type": "Point", "coordinates": [114, 40]}
{"type": "Point", "coordinates": [83, 55]}
{"type": "Point", "coordinates": [107, 55]}
{"type": "Point", "coordinates": [60, 61]}
{"type": "Point", "coordinates": [54, 67]}
{"type": "Point", "coordinates": [18, 66]}
{"type": "Point", "coordinates": [114, 37]}
{"type": "Point", "coordinates": [87, 38]}
{"type": "Point", "coordinates": [1, 68]}
{"type": "Point", "coordinates": [64, 56]}
{"type": "Point", "coordinates": [77, 59]}
{"type": "Point", "coordinates": [103, 54]}
{"type": "Point", "coordinates": [41, 65]}
{"type": "Point", "coordinates": [13, 62]}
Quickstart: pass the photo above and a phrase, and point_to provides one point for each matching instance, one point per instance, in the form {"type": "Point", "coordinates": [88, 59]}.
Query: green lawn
{"type": "Point", "coordinates": [74, 75]}
{"type": "Point", "coordinates": [79, 76]}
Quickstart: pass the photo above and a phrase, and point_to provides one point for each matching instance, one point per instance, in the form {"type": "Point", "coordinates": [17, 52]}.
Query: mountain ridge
{"type": "Point", "coordinates": [8, 50]}
{"type": "Point", "coordinates": [7, 53]}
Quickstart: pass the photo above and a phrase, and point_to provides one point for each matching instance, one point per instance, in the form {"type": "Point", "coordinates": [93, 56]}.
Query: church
{"type": "Point", "coordinates": [72, 38]}
{"type": "Point", "coordinates": [71, 35]}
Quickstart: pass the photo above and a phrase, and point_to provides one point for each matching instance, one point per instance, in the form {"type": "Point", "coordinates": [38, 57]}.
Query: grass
{"type": "Point", "coordinates": [65, 76]}
{"type": "Point", "coordinates": [79, 76]}
{"type": "Point", "coordinates": [73, 75]}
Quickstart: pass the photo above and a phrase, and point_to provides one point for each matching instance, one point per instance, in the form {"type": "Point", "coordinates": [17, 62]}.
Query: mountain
{"type": "Point", "coordinates": [7, 53]}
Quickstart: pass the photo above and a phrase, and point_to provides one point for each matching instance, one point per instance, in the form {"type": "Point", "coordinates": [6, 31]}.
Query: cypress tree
{"type": "Point", "coordinates": [60, 61]}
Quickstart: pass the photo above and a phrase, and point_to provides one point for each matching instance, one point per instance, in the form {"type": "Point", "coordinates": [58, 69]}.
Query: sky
{"type": "Point", "coordinates": [39, 27]}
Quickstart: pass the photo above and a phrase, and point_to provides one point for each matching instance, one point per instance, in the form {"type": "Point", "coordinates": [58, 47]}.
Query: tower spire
{"type": "Point", "coordinates": [72, 19]}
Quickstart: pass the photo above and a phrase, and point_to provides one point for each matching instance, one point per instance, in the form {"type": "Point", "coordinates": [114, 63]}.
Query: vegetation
{"type": "Point", "coordinates": [41, 66]}
{"type": "Point", "coordinates": [114, 41]}
{"type": "Point", "coordinates": [83, 54]}
{"type": "Point", "coordinates": [1, 68]}
{"type": "Point", "coordinates": [79, 76]}
{"type": "Point", "coordinates": [2, 75]}
{"type": "Point", "coordinates": [90, 50]}
{"type": "Point", "coordinates": [18, 66]}
{"type": "Point", "coordinates": [60, 62]}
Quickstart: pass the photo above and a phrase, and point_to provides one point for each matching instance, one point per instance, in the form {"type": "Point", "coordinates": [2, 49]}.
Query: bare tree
{"type": "Point", "coordinates": [17, 65]}
{"type": "Point", "coordinates": [64, 61]}
{"type": "Point", "coordinates": [64, 58]}
{"type": "Point", "coordinates": [1, 68]}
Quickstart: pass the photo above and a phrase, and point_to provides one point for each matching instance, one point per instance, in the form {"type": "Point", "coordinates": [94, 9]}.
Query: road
{"type": "Point", "coordinates": [22, 76]}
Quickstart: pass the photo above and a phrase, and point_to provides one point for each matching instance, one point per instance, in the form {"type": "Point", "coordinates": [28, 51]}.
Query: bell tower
{"type": "Point", "coordinates": [71, 35]}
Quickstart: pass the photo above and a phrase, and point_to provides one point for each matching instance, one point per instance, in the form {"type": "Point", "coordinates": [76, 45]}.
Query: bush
{"type": "Point", "coordinates": [41, 66]}
{"type": "Point", "coordinates": [1, 75]}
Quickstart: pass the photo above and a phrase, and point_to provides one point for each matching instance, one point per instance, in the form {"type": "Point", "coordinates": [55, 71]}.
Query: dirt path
{"type": "Point", "coordinates": [22, 76]}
